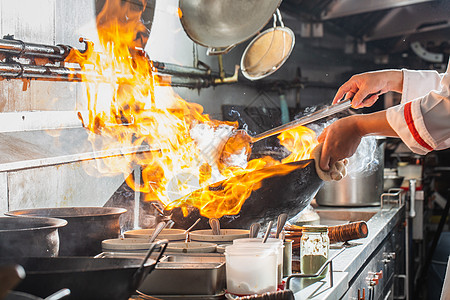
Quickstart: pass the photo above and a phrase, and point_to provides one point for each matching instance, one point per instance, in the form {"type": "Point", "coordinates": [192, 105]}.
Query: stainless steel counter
{"type": "Point", "coordinates": [346, 265]}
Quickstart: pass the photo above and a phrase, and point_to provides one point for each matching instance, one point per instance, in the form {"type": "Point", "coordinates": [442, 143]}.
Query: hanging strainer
{"type": "Point", "coordinates": [268, 51]}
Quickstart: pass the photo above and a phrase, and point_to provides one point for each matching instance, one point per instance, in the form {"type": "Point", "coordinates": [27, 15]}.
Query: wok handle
{"type": "Point", "coordinates": [320, 114]}
{"type": "Point", "coordinates": [137, 277]}
{"type": "Point", "coordinates": [162, 244]}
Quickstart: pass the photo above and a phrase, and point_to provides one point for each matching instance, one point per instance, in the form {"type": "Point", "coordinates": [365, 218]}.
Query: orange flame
{"type": "Point", "coordinates": [122, 105]}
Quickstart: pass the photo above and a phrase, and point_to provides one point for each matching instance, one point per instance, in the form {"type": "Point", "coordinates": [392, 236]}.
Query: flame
{"type": "Point", "coordinates": [124, 113]}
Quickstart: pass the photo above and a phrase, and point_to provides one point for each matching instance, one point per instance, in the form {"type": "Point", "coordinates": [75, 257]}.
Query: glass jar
{"type": "Point", "coordinates": [314, 249]}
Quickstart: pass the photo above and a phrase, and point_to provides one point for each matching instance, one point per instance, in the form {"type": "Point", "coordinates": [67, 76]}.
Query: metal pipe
{"type": "Point", "coordinates": [16, 70]}
{"type": "Point", "coordinates": [173, 69]}
{"type": "Point", "coordinates": [197, 82]}
{"type": "Point", "coordinates": [19, 48]}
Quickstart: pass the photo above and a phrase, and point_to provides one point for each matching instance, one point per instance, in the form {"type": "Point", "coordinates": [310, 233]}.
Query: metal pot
{"type": "Point", "coordinates": [29, 236]}
{"type": "Point", "coordinates": [86, 277]}
{"type": "Point", "coordinates": [361, 189]}
{"type": "Point", "coordinates": [392, 181]}
{"type": "Point", "coordinates": [86, 229]}
{"type": "Point", "coordinates": [224, 23]}
{"type": "Point", "coordinates": [288, 193]}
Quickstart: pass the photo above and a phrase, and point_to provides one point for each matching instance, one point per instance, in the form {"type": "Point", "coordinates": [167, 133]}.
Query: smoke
{"type": "Point", "coordinates": [365, 161]}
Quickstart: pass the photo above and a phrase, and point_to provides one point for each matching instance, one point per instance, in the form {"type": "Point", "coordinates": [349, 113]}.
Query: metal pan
{"type": "Point", "coordinates": [289, 193]}
{"type": "Point", "coordinates": [29, 236]}
{"type": "Point", "coordinates": [86, 229]}
{"type": "Point", "coordinates": [86, 277]}
{"type": "Point", "coordinates": [224, 23]}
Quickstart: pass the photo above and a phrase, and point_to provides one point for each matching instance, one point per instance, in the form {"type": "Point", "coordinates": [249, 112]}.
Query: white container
{"type": "Point", "coordinates": [277, 244]}
{"type": "Point", "coordinates": [166, 233]}
{"type": "Point", "coordinates": [251, 270]}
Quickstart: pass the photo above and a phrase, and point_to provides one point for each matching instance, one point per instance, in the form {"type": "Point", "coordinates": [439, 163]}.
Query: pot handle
{"type": "Point", "coordinates": [219, 51]}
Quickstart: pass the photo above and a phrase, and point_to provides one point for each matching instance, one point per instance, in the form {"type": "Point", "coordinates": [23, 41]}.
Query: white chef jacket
{"type": "Point", "coordinates": [422, 120]}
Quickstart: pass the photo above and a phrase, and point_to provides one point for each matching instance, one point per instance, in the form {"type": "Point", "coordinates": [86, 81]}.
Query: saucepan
{"type": "Point", "coordinates": [289, 193]}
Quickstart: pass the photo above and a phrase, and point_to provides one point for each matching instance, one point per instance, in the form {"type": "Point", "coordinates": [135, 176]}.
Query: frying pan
{"type": "Point", "coordinates": [86, 277]}
{"type": "Point", "coordinates": [289, 193]}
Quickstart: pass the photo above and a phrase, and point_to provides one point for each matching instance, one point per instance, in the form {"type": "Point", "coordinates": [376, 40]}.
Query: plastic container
{"type": "Point", "coordinates": [167, 234]}
{"type": "Point", "coordinates": [314, 249]}
{"type": "Point", "coordinates": [134, 246]}
{"type": "Point", "coordinates": [276, 244]}
{"type": "Point", "coordinates": [251, 270]}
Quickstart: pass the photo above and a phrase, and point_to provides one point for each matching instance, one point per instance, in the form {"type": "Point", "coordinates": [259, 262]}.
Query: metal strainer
{"type": "Point", "coordinates": [268, 51]}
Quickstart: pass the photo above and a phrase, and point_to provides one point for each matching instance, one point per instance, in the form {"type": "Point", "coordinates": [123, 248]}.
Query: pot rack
{"type": "Point", "coordinates": [27, 61]}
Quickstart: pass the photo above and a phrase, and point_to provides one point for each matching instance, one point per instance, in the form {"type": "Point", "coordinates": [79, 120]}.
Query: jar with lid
{"type": "Point", "coordinates": [314, 249]}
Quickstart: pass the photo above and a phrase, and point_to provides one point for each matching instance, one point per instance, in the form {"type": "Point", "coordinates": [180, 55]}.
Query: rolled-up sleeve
{"type": "Point", "coordinates": [422, 120]}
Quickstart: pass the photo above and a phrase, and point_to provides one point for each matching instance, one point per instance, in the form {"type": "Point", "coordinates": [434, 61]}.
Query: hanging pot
{"type": "Point", "coordinates": [222, 24]}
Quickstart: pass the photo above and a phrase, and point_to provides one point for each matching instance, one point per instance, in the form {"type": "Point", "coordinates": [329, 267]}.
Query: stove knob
{"type": "Point", "coordinates": [373, 278]}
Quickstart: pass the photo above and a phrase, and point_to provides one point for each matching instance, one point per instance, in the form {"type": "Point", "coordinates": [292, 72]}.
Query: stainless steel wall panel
{"type": "Point", "coordinates": [58, 96]}
{"type": "Point", "coordinates": [3, 192]}
{"type": "Point", "coordinates": [63, 185]}
{"type": "Point", "coordinates": [12, 98]}
{"type": "Point", "coordinates": [29, 20]}
{"type": "Point", "coordinates": [74, 19]}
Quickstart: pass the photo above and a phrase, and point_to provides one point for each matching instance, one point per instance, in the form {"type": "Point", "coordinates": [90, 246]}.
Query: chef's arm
{"type": "Point", "coordinates": [343, 136]}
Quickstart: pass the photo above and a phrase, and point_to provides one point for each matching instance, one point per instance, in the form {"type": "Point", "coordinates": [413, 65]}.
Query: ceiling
{"type": "Point", "coordinates": [390, 26]}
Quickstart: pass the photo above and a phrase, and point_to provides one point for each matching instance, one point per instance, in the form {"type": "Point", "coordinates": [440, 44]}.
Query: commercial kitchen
{"type": "Point", "coordinates": [167, 149]}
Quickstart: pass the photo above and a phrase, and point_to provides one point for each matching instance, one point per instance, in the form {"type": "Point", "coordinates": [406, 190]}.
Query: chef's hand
{"type": "Point", "coordinates": [365, 88]}
{"type": "Point", "coordinates": [341, 138]}
{"type": "Point", "coordinates": [340, 141]}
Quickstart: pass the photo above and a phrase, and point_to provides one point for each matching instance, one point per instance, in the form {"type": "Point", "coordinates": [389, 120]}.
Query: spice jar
{"type": "Point", "coordinates": [314, 249]}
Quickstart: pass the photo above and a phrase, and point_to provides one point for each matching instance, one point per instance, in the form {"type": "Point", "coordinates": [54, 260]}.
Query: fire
{"type": "Point", "coordinates": [122, 105]}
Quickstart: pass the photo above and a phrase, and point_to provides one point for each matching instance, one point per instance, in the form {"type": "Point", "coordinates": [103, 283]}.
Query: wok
{"type": "Point", "coordinates": [289, 194]}
{"type": "Point", "coordinates": [86, 229]}
{"type": "Point", "coordinates": [224, 23]}
{"type": "Point", "coordinates": [29, 236]}
{"type": "Point", "coordinates": [86, 277]}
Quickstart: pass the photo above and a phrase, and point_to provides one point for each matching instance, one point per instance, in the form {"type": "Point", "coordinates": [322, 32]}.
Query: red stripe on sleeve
{"type": "Point", "coordinates": [412, 128]}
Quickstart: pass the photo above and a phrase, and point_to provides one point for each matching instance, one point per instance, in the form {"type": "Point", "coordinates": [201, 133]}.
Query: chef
{"type": "Point", "coordinates": [421, 120]}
